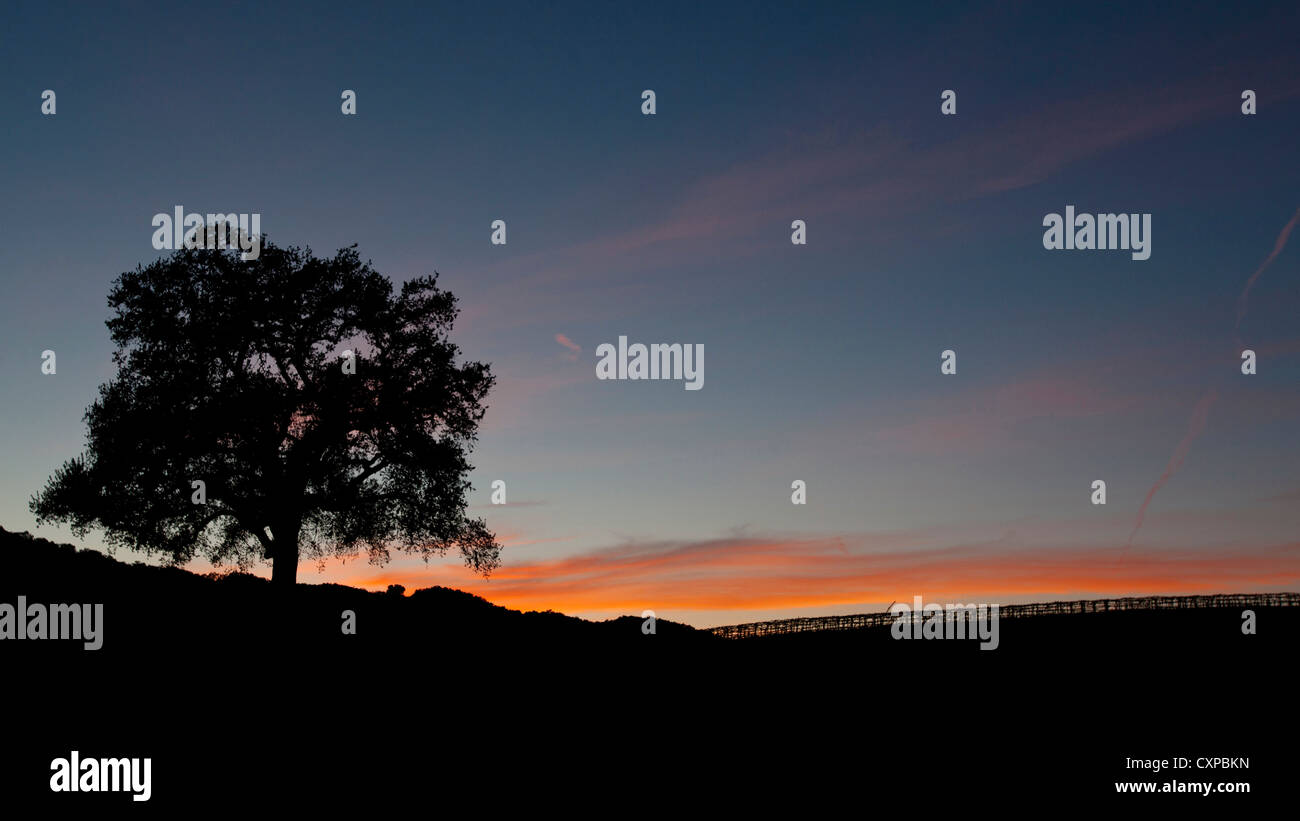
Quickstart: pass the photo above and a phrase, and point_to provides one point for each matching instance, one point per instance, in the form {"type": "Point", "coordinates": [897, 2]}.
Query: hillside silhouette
{"type": "Point", "coordinates": [225, 679]}
{"type": "Point", "coordinates": [149, 608]}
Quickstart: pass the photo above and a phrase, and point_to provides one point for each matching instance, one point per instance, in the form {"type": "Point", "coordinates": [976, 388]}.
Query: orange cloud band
{"type": "Point", "coordinates": [763, 574]}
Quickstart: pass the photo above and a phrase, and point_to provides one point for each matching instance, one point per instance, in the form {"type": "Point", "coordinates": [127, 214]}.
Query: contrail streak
{"type": "Point", "coordinates": [1201, 412]}
{"type": "Point", "coordinates": [1277, 249]}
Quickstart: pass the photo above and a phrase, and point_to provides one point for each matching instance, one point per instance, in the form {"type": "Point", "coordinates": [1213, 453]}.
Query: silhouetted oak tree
{"type": "Point", "coordinates": [233, 373]}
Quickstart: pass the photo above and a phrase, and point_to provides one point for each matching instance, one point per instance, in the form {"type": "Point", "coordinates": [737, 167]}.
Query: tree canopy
{"type": "Point", "coordinates": [323, 414]}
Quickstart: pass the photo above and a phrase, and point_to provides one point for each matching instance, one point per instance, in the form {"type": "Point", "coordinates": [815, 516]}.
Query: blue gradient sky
{"type": "Point", "coordinates": [821, 361]}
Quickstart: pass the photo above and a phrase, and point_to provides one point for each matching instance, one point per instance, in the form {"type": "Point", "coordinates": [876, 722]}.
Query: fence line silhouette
{"type": "Point", "coordinates": [814, 624]}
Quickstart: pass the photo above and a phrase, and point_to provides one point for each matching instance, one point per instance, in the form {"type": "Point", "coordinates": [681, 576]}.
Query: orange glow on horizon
{"type": "Point", "coordinates": [757, 574]}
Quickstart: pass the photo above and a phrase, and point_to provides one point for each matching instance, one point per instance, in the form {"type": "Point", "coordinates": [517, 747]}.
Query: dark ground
{"type": "Point", "coordinates": [443, 700]}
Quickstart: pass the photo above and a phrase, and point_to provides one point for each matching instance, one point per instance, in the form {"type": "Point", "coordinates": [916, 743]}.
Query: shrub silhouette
{"type": "Point", "coordinates": [323, 414]}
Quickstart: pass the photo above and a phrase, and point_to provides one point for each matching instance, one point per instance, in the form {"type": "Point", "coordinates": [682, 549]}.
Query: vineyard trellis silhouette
{"type": "Point", "coordinates": [816, 624]}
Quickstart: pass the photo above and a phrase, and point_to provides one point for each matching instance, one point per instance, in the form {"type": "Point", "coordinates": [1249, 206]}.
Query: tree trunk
{"type": "Point", "coordinates": [284, 570]}
{"type": "Point", "coordinates": [284, 563]}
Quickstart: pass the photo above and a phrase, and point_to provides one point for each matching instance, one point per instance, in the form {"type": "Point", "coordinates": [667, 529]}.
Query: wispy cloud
{"type": "Point", "coordinates": [876, 174]}
{"type": "Point", "coordinates": [573, 348]}
{"type": "Point", "coordinates": [777, 573]}
{"type": "Point", "coordinates": [984, 417]}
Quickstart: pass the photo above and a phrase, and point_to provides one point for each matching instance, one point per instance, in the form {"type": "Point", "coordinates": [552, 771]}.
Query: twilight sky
{"type": "Point", "coordinates": [821, 361]}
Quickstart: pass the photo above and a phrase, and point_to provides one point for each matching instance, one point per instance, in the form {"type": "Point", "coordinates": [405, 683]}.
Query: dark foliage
{"type": "Point", "coordinates": [323, 413]}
